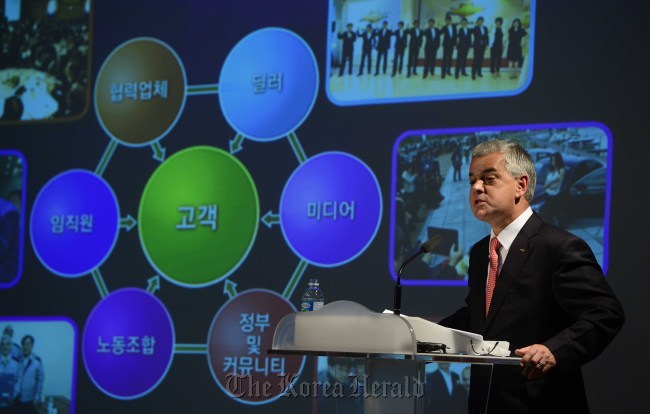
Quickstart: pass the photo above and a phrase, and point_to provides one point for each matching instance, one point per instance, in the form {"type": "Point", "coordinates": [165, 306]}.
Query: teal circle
{"type": "Point", "coordinates": [176, 229]}
{"type": "Point", "coordinates": [268, 84]}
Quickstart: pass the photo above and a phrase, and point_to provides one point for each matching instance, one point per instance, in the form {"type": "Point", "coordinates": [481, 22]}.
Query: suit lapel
{"type": "Point", "coordinates": [519, 252]}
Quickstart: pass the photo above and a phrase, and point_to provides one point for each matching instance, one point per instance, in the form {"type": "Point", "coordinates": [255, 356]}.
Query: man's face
{"type": "Point", "coordinates": [5, 348]}
{"type": "Point", "coordinates": [28, 345]}
{"type": "Point", "coordinates": [432, 23]}
{"type": "Point", "coordinates": [493, 190]}
{"type": "Point", "coordinates": [465, 378]}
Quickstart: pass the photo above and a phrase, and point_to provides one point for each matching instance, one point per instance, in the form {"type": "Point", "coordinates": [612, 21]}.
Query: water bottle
{"type": "Point", "coordinates": [313, 298]}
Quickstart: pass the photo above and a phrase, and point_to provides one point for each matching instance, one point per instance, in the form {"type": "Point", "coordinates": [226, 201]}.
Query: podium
{"type": "Point", "coordinates": [388, 374]}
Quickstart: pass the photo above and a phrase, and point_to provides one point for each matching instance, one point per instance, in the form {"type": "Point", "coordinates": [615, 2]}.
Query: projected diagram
{"type": "Point", "coordinates": [199, 213]}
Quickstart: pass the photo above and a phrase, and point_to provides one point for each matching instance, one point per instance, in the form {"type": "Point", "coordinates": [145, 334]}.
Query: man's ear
{"type": "Point", "coordinates": [522, 185]}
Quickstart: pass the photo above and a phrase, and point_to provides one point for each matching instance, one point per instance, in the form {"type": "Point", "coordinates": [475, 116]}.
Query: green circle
{"type": "Point", "coordinates": [198, 178]}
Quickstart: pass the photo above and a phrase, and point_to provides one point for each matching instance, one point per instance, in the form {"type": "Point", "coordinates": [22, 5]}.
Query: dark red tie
{"type": "Point", "coordinates": [492, 274]}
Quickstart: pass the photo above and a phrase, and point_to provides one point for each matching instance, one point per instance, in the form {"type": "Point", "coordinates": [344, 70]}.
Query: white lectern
{"type": "Point", "coordinates": [387, 343]}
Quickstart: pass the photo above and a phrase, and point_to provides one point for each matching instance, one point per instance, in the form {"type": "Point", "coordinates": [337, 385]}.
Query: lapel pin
{"type": "Point", "coordinates": [522, 250]}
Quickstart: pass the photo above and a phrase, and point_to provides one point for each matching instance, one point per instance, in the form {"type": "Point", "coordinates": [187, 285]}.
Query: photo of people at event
{"type": "Point", "coordinates": [431, 185]}
{"type": "Point", "coordinates": [44, 60]}
{"type": "Point", "coordinates": [387, 51]}
{"type": "Point", "coordinates": [35, 367]}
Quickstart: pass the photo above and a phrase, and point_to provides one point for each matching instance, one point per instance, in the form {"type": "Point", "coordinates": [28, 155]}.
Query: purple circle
{"type": "Point", "coordinates": [330, 209]}
{"type": "Point", "coordinates": [74, 223]}
{"type": "Point", "coordinates": [118, 351]}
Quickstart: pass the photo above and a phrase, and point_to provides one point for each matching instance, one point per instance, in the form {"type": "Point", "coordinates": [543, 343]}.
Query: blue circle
{"type": "Point", "coordinates": [330, 209]}
{"type": "Point", "coordinates": [259, 104]}
{"type": "Point", "coordinates": [74, 223]}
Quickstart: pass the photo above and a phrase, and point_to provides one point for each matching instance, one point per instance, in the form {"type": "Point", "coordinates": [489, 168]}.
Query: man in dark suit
{"type": "Point", "coordinates": [534, 285]}
{"type": "Point", "coordinates": [366, 48]}
{"type": "Point", "coordinates": [415, 43]}
{"type": "Point", "coordinates": [449, 37]}
{"type": "Point", "coordinates": [382, 40]}
{"type": "Point", "coordinates": [463, 44]}
{"type": "Point", "coordinates": [444, 393]}
{"type": "Point", "coordinates": [496, 49]}
{"type": "Point", "coordinates": [348, 37]}
{"type": "Point", "coordinates": [481, 39]}
{"type": "Point", "coordinates": [400, 46]}
{"type": "Point", "coordinates": [432, 36]}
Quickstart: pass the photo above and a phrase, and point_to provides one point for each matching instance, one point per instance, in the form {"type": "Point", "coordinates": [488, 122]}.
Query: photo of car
{"type": "Point", "coordinates": [573, 190]}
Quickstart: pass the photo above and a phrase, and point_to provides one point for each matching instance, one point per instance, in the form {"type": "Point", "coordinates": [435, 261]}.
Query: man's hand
{"type": "Point", "coordinates": [536, 360]}
{"type": "Point", "coordinates": [455, 255]}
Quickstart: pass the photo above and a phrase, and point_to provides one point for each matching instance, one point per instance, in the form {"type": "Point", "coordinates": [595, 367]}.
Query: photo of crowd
{"type": "Point", "coordinates": [431, 187]}
{"type": "Point", "coordinates": [36, 363]}
{"type": "Point", "coordinates": [44, 61]}
{"type": "Point", "coordinates": [388, 51]}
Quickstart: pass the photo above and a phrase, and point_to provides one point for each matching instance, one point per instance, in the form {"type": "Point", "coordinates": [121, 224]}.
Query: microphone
{"type": "Point", "coordinates": [425, 247]}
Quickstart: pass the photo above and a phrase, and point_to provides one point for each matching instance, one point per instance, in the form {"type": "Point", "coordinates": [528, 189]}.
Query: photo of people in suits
{"type": "Point", "coordinates": [430, 187]}
{"type": "Point", "coordinates": [37, 365]}
{"type": "Point", "coordinates": [438, 39]}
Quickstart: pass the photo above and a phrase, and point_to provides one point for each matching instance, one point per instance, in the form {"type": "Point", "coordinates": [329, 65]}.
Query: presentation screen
{"type": "Point", "coordinates": [174, 173]}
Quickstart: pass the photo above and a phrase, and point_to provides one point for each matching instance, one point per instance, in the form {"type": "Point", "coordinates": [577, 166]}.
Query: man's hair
{"type": "Point", "coordinates": [517, 161]}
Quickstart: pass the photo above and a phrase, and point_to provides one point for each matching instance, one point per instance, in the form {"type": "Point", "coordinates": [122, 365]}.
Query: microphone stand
{"type": "Point", "coordinates": [397, 301]}
{"type": "Point", "coordinates": [426, 247]}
